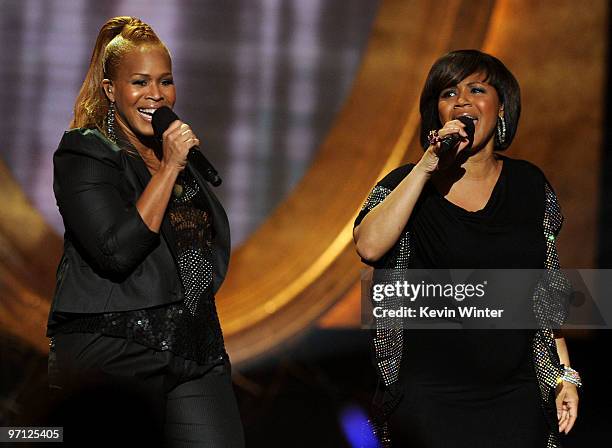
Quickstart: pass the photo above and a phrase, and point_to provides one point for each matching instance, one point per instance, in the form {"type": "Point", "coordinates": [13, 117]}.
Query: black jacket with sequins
{"type": "Point", "coordinates": [112, 261]}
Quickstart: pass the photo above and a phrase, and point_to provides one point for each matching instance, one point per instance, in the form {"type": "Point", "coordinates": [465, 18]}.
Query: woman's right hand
{"type": "Point", "coordinates": [431, 160]}
{"type": "Point", "coordinates": [177, 140]}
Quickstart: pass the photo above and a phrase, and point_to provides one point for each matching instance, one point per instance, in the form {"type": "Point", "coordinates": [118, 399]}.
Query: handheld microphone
{"type": "Point", "coordinates": [162, 118]}
{"type": "Point", "coordinates": [450, 141]}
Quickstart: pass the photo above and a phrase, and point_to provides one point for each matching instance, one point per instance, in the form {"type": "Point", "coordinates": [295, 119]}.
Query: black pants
{"type": "Point", "coordinates": [110, 389]}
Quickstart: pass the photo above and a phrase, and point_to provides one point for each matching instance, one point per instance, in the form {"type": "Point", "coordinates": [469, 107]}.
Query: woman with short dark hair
{"type": "Point", "coordinates": [467, 208]}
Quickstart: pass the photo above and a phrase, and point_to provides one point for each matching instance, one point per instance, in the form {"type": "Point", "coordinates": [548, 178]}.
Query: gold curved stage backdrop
{"type": "Point", "coordinates": [300, 262]}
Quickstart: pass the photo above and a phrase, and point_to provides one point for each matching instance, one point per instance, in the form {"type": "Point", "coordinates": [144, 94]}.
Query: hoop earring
{"type": "Point", "coordinates": [110, 122]}
{"type": "Point", "coordinates": [501, 131]}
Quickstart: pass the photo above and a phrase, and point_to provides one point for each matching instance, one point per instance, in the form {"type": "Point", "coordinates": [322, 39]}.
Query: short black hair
{"type": "Point", "coordinates": [455, 66]}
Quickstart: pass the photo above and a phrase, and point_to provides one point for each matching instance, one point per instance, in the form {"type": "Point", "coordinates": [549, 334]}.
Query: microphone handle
{"type": "Point", "coordinates": [447, 143]}
{"type": "Point", "coordinates": [450, 141]}
{"type": "Point", "coordinates": [197, 161]}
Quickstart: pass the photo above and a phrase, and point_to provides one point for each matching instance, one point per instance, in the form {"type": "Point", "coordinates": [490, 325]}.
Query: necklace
{"type": "Point", "coordinates": [185, 189]}
{"type": "Point", "coordinates": [177, 191]}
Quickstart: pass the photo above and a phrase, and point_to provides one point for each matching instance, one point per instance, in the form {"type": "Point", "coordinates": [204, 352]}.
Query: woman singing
{"type": "Point", "coordinates": [468, 208]}
{"type": "Point", "coordinates": [146, 248]}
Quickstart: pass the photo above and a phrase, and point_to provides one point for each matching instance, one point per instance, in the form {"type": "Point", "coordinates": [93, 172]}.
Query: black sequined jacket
{"type": "Point", "coordinates": [111, 260]}
{"type": "Point", "coordinates": [388, 341]}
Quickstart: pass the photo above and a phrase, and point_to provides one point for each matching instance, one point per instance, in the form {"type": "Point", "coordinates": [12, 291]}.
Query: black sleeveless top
{"type": "Point", "coordinates": [505, 234]}
{"type": "Point", "coordinates": [449, 382]}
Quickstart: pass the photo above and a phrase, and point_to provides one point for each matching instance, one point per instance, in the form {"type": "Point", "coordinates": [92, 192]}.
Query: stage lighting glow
{"type": "Point", "coordinates": [357, 428]}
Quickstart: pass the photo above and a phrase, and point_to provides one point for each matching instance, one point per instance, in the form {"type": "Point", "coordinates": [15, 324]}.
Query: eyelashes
{"type": "Point", "coordinates": [451, 92]}
{"type": "Point", "coordinates": [144, 82]}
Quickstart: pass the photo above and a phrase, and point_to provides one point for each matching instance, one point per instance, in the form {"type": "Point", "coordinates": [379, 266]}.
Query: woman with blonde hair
{"type": "Point", "coordinates": [146, 248]}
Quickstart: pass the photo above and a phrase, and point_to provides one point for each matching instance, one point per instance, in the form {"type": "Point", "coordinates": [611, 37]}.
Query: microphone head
{"type": "Point", "coordinates": [162, 118]}
{"type": "Point", "coordinates": [469, 127]}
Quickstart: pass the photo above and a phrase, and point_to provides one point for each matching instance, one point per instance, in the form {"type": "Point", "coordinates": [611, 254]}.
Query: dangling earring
{"type": "Point", "coordinates": [110, 122]}
{"type": "Point", "coordinates": [501, 131]}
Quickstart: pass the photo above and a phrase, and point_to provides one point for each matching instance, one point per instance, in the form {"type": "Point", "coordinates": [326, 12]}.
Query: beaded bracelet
{"type": "Point", "coordinates": [570, 375]}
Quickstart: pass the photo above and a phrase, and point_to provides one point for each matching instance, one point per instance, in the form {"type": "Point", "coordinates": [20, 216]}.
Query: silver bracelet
{"type": "Point", "coordinates": [571, 376]}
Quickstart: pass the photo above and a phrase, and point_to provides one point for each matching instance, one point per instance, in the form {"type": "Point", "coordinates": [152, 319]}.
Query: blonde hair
{"type": "Point", "coordinates": [116, 37]}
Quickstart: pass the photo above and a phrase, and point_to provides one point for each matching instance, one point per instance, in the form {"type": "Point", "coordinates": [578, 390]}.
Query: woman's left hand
{"type": "Point", "coordinates": [567, 406]}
